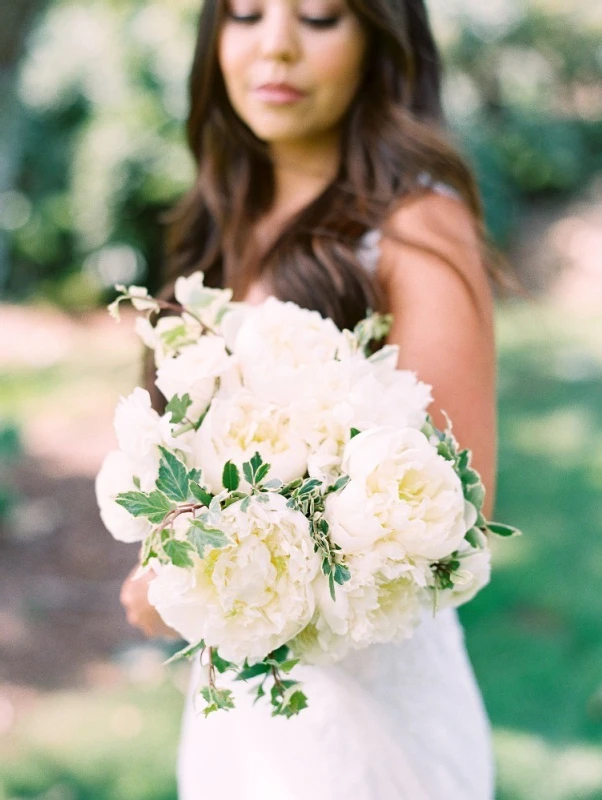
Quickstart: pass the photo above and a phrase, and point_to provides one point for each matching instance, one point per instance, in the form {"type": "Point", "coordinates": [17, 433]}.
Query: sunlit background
{"type": "Point", "coordinates": [92, 101]}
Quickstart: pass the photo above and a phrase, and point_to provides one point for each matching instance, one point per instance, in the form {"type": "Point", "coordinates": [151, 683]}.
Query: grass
{"type": "Point", "coordinates": [535, 635]}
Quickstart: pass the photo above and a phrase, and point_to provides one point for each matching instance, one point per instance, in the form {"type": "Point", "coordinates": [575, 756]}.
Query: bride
{"type": "Point", "coordinates": [325, 177]}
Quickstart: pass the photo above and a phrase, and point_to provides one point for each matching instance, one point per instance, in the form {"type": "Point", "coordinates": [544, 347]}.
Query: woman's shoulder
{"type": "Point", "coordinates": [435, 237]}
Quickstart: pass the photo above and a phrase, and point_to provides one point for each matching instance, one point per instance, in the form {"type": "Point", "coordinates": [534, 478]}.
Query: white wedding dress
{"type": "Point", "coordinates": [392, 722]}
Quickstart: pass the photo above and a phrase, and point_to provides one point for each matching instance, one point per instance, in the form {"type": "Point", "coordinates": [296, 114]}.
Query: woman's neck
{"type": "Point", "coordinates": [302, 170]}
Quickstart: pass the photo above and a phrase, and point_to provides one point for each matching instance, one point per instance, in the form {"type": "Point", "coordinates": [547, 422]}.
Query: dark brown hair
{"type": "Point", "coordinates": [393, 134]}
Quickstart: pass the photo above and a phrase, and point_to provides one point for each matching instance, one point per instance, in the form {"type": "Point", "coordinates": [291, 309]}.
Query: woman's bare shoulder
{"type": "Point", "coordinates": [433, 240]}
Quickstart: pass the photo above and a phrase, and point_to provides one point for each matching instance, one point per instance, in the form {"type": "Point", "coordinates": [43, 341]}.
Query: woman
{"type": "Point", "coordinates": [324, 178]}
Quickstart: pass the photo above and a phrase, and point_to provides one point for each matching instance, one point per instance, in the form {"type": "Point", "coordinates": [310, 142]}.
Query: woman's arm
{"type": "Point", "coordinates": [437, 289]}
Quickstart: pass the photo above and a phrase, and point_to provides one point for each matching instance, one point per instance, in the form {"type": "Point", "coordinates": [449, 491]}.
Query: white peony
{"type": "Point", "coordinates": [402, 496]}
{"type": "Point", "coordinates": [205, 303]}
{"type": "Point", "coordinates": [355, 392]}
{"type": "Point", "coordinates": [238, 426]}
{"type": "Point", "coordinates": [168, 335]}
{"type": "Point", "coordinates": [279, 345]}
{"type": "Point", "coordinates": [251, 596]}
{"type": "Point", "coordinates": [116, 476]}
{"type": "Point", "coordinates": [140, 430]}
{"type": "Point", "coordinates": [364, 613]}
{"type": "Point", "coordinates": [474, 573]}
{"type": "Point", "coordinates": [195, 371]}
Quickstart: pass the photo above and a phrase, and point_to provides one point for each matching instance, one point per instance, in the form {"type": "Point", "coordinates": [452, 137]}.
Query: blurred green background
{"type": "Point", "coordinates": [92, 101]}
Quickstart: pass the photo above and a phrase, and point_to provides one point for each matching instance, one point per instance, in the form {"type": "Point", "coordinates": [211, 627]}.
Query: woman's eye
{"type": "Point", "coordinates": [244, 19]}
{"type": "Point", "coordinates": [321, 22]}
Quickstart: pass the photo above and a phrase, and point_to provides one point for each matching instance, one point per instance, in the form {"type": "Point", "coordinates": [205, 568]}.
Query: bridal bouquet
{"type": "Point", "coordinates": [295, 499]}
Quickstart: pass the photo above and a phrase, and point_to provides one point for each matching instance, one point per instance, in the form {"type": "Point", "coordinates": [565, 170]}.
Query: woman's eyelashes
{"type": "Point", "coordinates": [319, 23]}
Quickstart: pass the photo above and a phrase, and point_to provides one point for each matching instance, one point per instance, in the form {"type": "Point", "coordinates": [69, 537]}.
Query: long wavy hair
{"type": "Point", "coordinates": [393, 133]}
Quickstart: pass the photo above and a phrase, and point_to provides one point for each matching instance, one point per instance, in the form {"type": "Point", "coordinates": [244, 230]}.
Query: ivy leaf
{"type": "Point", "coordinates": [253, 671]}
{"type": "Point", "coordinates": [230, 477]}
{"type": "Point", "coordinates": [153, 506]}
{"type": "Point", "coordinates": [340, 483]}
{"type": "Point", "coordinates": [274, 483]}
{"type": "Point", "coordinates": [178, 406]}
{"type": "Point", "coordinates": [256, 461]}
{"type": "Point", "coordinates": [220, 663]}
{"type": "Point", "coordinates": [195, 475]}
{"type": "Point", "coordinates": [200, 494]}
{"type": "Point", "coordinates": [188, 652]}
{"type": "Point", "coordinates": [202, 536]}
{"type": "Point", "coordinates": [474, 538]}
{"type": "Point", "coordinates": [262, 473]}
{"type": "Point", "coordinates": [178, 553]}
{"type": "Point", "coordinates": [475, 494]}
{"type": "Point", "coordinates": [341, 574]}
{"type": "Point", "coordinates": [287, 666]}
{"type": "Point", "coordinates": [280, 655]}
{"type": "Point", "coordinates": [216, 699]}
{"type": "Point", "coordinates": [173, 477]}
{"type": "Point", "coordinates": [247, 471]}
{"type": "Point", "coordinates": [503, 530]}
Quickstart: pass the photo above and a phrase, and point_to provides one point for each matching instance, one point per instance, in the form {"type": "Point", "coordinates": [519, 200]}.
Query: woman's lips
{"type": "Point", "coordinates": [278, 93]}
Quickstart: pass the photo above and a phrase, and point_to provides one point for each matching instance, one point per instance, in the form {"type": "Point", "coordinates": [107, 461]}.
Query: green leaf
{"type": "Point", "coordinates": [246, 673]}
{"type": "Point", "coordinates": [354, 432]}
{"type": "Point", "coordinates": [247, 471]}
{"type": "Point", "coordinates": [220, 664]}
{"type": "Point", "coordinates": [178, 406]}
{"type": "Point", "coordinates": [470, 477]}
{"type": "Point", "coordinates": [503, 530]}
{"type": "Point", "coordinates": [256, 462]}
{"type": "Point", "coordinates": [216, 699]}
{"type": "Point", "coordinates": [187, 652]}
{"type": "Point", "coordinates": [173, 477]}
{"type": "Point", "coordinates": [274, 483]}
{"type": "Point", "coordinates": [309, 486]}
{"type": "Point", "coordinates": [154, 506]}
{"type": "Point", "coordinates": [473, 537]}
{"type": "Point", "coordinates": [195, 475]}
{"type": "Point", "coordinates": [341, 574]}
{"type": "Point", "coordinates": [280, 655]}
{"type": "Point", "coordinates": [230, 477]}
{"type": "Point", "coordinates": [200, 494]}
{"type": "Point", "coordinates": [475, 494]}
{"type": "Point", "coordinates": [178, 553]}
{"type": "Point", "coordinates": [287, 666]}
{"type": "Point", "coordinates": [201, 536]}
{"type": "Point", "coordinates": [136, 481]}
{"type": "Point", "coordinates": [340, 483]}
{"type": "Point", "coordinates": [262, 473]}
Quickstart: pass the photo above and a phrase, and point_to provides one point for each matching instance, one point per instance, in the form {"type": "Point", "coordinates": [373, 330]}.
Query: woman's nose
{"type": "Point", "coordinates": [279, 34]}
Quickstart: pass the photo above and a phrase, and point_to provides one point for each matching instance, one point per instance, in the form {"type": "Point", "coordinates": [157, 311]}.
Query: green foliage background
{"type": "Point", "coordinates": [99, 97]}
{"type": "Point", "coordinates": [91, 153]}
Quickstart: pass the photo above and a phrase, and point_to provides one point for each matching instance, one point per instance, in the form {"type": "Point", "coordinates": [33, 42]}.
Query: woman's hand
{"type": "Point", "coordinates": [140, 613]}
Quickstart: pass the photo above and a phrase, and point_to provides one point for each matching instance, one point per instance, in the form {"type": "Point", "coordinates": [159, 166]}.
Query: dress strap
{"type": "Point", "coordinates": [368, 247]}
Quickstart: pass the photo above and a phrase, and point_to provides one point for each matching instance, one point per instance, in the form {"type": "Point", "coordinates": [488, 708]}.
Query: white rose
{"type": "Point", "coordinates": [251, 596]}
{"type": "Point", "coordinates": [238, 426]}
{"type": "Point", "coordinates": [116, 476]}
{"type": "Point", "coordinates": [279, 344]}
{"type": "Point", "coordinates": [401, 493]}
{"type": "Point", "coordinates": [203, 302]}
{"type": "Point", "coordinates": [140, 430]}
{"type": "Point", "coordinates": [195, 372]}
{"type": "Point", "coordinates": [474, 573]}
